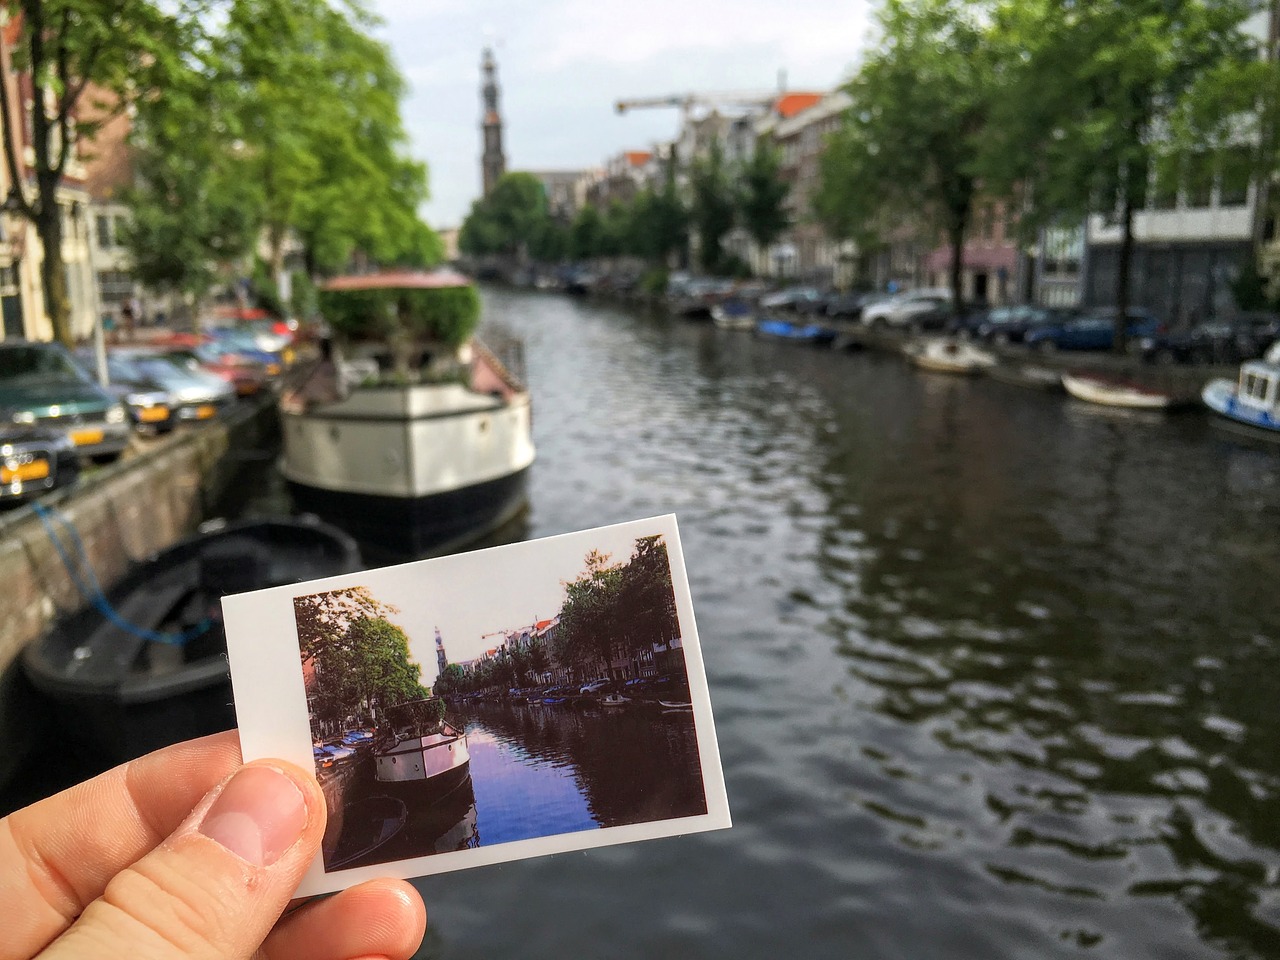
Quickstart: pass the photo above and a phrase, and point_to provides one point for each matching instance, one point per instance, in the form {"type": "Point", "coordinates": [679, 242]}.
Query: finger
{"type": "Point", "coordinates": [57, 855]}
{"type": "Point", "coordinates": [382, 918]}
{"type": "Point", "coordinates": [216, 886]}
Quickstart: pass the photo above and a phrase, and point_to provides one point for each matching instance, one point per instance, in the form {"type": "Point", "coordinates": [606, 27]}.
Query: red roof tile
{"type": "Point", "coordinates": [789, 104]}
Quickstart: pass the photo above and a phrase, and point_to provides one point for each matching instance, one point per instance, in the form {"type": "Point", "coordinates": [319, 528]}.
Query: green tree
{"type": "Point", "coordinates": [712, 208]}
{"type": "Point", "coordinates": [317, 102]}
{"type": "Point", "coordinates": [762, 195]}
{"type": "Point", "coordinates": [589, 628]}
{"type": "Point", "coordinates": [508, 220]}
{"type": "Point", "coordinates": [366, 668]}
{"type": "Point", "coordinates": [86, 61]}
{"type": "Point", "coordinates": [910, 144]}
{"type": "Point", "coordinates": [1099, 95]}
{"type": "Point", "coordinates": [323, 618]}
{"type": "Point", "coordinates": [586, 235]}
{"type": "Point", "coordinates": [192, 208]}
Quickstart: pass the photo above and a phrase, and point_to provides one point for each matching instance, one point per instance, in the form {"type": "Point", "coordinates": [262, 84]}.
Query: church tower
{"type": "Point", "coordinates": [492, 162]}
{"type": "Point", "coordinates": [441, 660]}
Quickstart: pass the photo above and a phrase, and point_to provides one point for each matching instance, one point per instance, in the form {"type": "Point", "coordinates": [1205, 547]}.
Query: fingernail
{"type": "Point", "coordinates": [258, 816]}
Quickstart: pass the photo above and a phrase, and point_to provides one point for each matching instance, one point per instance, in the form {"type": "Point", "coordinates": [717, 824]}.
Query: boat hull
{"type": "Point", "coordinates": [423, 769]}
{"type": "Point", "coordinates": [1221, 396]}
{"type": "Point", "coordinates": [1108, 394]}
{"type": "Point", "coordinates": [412, 470]}
{"type": "Point", "coordinates": [415, 526]}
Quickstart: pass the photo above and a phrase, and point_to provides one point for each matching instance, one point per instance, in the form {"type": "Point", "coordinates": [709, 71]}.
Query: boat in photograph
{"type": "Point", "coordinates": [145, 665]}
{"type": "Point", "coordinates": [1252, 402]}
{"type": "Point", "coordinates": [947, 355]}
{"type": "Point", "coordinates": [811, 333]}
{"type": "Point", "coordinates": [419, 753]}
{"type": "Point", "coordinates": [1117, 392]}
{"type": "Point", "coordinates": [614, 700]}
{"type": "Point", "coordinates": [431, 448]}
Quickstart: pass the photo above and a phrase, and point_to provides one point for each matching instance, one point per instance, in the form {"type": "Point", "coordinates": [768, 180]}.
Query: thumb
{"type": "Point", "coordinates": [215, 888]}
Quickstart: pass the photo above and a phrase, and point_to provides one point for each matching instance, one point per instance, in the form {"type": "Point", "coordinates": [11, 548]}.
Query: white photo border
{"type": "Point", "coordinates": [271, 703]}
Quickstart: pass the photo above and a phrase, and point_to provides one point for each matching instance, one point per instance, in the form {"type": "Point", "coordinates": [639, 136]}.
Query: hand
{"type": "Point", "coordinates": [186, 854]}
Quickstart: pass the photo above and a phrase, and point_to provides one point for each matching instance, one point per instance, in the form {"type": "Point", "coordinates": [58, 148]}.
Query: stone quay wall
{"type": "Point", "coordinates": [123, 514]}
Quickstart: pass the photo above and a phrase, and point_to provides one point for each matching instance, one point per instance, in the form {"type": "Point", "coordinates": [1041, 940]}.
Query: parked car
{"type": "Point", "coordinates": [1094, 330]}
{"type": "Point", "coordinates": [246, 378]}
{"type": "Point", "coordinates": [1012, 324]}
{"type": "Point", "coordinates": [1228, 341]}
{"type": "Point", "coordinates": [909, 309]}
{"type": "Point", "coordinates": [41, 384]}
{"type": "Point", "coordinates": [149, 404]}
{"type": "Point", "coordinates": [194, 393]}
{"type": "Point", "coordinates": [34, 460]}
{"type": "Point", "coordinates": [596, 686]}
{"type": "Point", "coordinates": [798, 299]}
{"type": "Point", "coordinates": [236, 344]}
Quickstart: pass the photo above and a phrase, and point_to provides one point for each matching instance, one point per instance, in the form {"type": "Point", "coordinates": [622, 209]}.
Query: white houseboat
{"type": "Point", "coordinates": [430, 446]}
{"type": "Point", "coordinates": [419, 753]}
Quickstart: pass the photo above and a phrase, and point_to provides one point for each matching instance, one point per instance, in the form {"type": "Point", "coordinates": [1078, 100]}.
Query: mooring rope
{"type": "Point", "coordinates": [91, 590]}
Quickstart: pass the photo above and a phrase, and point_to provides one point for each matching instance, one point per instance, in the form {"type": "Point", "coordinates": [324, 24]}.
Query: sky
{"type": "Point", "coordinates": [563, 63]}
{"type": "Point", "coordinates": [471, 597]}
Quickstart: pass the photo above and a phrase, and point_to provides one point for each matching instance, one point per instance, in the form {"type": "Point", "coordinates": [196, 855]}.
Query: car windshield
{"type": "Point", "coordinates": [37, 364]}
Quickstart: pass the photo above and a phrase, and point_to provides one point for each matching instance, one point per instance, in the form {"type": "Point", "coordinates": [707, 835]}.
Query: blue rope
{"type": "Point", "coordinates": [91, 590]}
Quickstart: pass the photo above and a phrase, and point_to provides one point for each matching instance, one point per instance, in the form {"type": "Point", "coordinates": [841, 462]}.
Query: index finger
{"type": "Point", "coordinates": [57, 855]}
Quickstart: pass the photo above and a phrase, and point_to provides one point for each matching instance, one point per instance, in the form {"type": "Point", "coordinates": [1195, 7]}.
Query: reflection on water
{"type": "Point", "coordinates": [536, 771]}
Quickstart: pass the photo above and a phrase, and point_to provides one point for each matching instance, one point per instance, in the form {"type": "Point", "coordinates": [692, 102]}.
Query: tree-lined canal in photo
{"type": "Point", "coordinates": [994, 674]}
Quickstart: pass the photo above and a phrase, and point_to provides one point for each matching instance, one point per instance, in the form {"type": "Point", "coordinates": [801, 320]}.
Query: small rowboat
{"type": "Point", "coordinates": [674, 705]}
{"type": "Point", "coordinates": [613, 700]}
{"type": "Point", "coordinates": [946, 355]}
{"type": "Point", "coordinates": [1116, 392]}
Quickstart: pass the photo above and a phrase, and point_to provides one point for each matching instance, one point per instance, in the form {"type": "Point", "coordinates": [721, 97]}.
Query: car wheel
{"type": "Point", "coordinates": [1047, 346]}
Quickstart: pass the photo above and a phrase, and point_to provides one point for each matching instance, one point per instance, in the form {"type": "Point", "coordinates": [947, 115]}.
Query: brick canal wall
{"type": "Point", "coordinates": [123, 513]}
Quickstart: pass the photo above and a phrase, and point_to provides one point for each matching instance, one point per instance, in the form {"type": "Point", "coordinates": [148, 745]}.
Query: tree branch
{"type": "Point", "coordinates": [10, 148]}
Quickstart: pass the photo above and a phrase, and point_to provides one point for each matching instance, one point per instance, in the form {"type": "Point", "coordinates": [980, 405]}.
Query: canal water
{"type": "Point", "coordinates": [995, 675]}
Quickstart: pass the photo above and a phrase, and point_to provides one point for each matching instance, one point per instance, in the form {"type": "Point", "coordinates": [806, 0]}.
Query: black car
{"type": "Point", "coordinates": [34, 460]}
{"type": "Point", "coordinates": [1012, 324]}
{"type": "Point", "coordinates": [1229, 341]}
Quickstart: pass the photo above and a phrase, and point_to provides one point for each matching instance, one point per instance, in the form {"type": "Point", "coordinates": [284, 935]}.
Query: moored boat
{"type": "Point", "coordinates": [1251, 402]}
{"type": "Point", "coordinates": [812, 333]}
{"type": "Point", "coordinates": [432, 448]}
{"type": "Point", "coordinates": [947, 355]}
{"type": "Point", "coordinates": [1117, 392]}
{"type": "Point", "coordinates": [734, 314]}
{"type": "Point", "coordinates": [145, 665]}
{"type": "Point", "coordinates": [419, 753]}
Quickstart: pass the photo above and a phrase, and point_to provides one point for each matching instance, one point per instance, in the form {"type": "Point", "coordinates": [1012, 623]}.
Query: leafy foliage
{"type": "Point", "coordinates": [87, 60]}
{"type": "Point", "coordinates": [712, 209]}
{"type": "Point", "coordinates": [762, 194]}
{"type": "Point", "coordinates": [910, 146]}
{"type": "Point", "coordinates": [447, 315]}
{"type": "Point", "coordinates": [509, 219]}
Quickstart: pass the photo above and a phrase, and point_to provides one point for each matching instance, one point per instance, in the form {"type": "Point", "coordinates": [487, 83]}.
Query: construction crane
{"type": "Point", "coordinates": [687, 101]}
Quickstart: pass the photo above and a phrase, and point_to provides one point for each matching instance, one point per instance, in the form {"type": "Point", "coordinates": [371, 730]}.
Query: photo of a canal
{"type": "Point", "coordinates": [579, 721]}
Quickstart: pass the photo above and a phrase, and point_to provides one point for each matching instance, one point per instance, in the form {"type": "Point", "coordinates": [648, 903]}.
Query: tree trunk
{"type": "Point", "coordinates": [1125, 258]}
{"type": "Point", "coordinates": [53, 273]}
{"type": "Point", "coordinates": [957, 267]}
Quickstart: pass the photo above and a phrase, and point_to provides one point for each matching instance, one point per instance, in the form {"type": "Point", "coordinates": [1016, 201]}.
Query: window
{"type": "Point", "coordinates": [1165, 195]}
{"type": "Point", "coordinates": [104, 224]}
{"type": "Point", "coordinates": [114, 286]}
{"type": "Point", "coordinates": [1236, 164]}
{"type": "Point", "coordinates": [1198, 170]}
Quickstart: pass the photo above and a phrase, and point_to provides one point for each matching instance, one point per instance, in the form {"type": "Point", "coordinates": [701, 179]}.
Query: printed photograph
{"type": "Point", "coordinates": [549, 699]}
